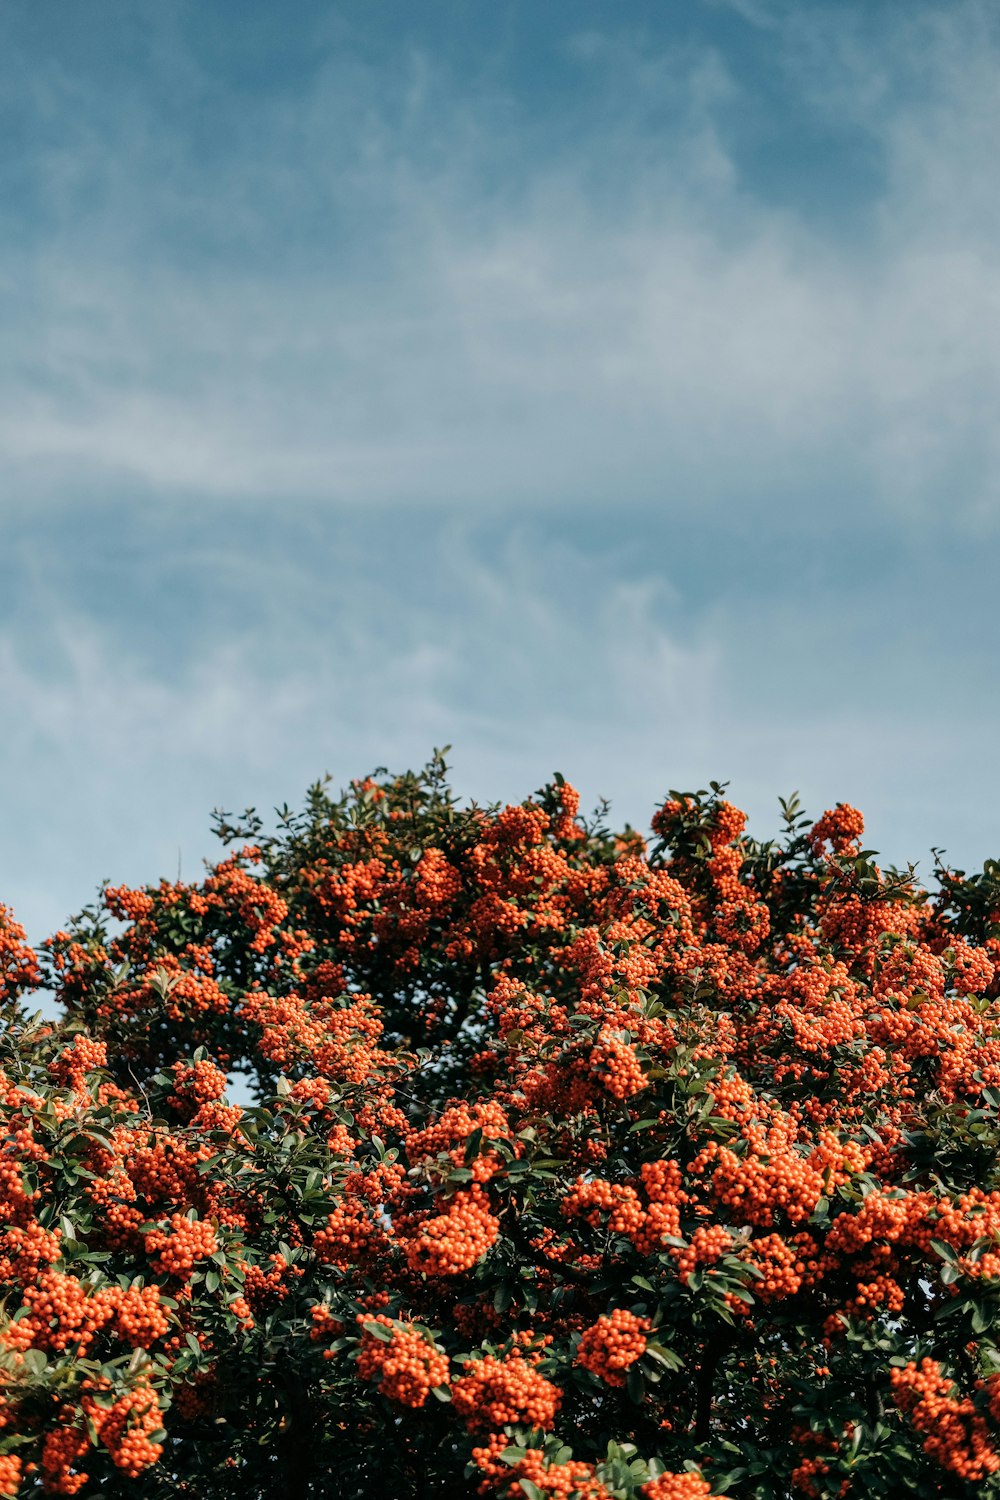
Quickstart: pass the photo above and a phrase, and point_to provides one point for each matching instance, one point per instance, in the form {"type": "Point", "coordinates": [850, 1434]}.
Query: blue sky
{"type": "Point", "coordinates": [609, 387]}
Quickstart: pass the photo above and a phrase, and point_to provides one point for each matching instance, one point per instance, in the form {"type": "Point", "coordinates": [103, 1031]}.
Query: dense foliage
{"type": "Point", "coordinates": [580, 1165]}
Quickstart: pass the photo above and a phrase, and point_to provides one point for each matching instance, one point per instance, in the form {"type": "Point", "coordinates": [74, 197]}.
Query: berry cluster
{"type": "Point", "coordinates": [126, 1427]}
{"type": "Point", "coordinates": [954, 1433]}
{"type": "Point", "coordinates": [686, 1486]}
{"type": "Point", "coordinates": [494, 1392]}
{"type": "Point", "coordinates": [451, 1242]}
{"type": "Point", "coordinates": [175, 1251]}
{"type": "Point", "coordinates": [609, 1346]}
{"type": "Point", "coordinates": [406, 1364]}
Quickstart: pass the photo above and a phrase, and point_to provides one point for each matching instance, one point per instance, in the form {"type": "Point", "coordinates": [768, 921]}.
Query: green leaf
{"type": "Point", "coordinates": [742, 1292]}
{"type": "Point", "coordinates": [982, 1318]}
{"type": "Point", "coordinates": [664, 1356]}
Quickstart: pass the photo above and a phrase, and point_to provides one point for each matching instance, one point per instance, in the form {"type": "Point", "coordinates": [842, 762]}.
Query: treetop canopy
{"type": "Point", "coordinates": [579, 1163]}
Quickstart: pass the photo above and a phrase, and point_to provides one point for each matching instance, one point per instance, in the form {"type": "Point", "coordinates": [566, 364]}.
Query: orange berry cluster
{"type": "Point", "coordinates": [18, 962]}
{"type": "Point", "coordinates": [786, 1266]}
{"type": "Point", "coordinates": [325, 1325]}
{"type": "Point", "coordinates": [708, 1243]}
{"type": "Point", "coordinates": [83, 1056]}
{"type": "Point", "coordinates": [437, 882]}
{"type": "Point", "coordinates": [617, 1066]}
{"type": "Point", "coordinates": [954, 1433]}
{"type": "Point", "coordinates": [61, 1450]}
{"type": "Point", "coordinates": [407, 1367]}
{"type": "Point", "coordinates": [807, 1475]}
{"type": "Point", "coordinates": [590, 1200]}
{"type": "Point", "coordinates": [841, 829]}
{"type": "Point", "coordinates": [195, 1085]}
{"type": "Point", "coordinates": [494, 1392]}
{"type": "Point", "coordinates": [175, 1250]}
{"type": "Point", "coordinates": [258, 904]}
{"type": "Point", "coordinates": [10, 1474]}
{"type": "Point", "coordinates": [685, 1486]}
{"type": "Point", "coordinates": [450, 1132]}
{"type": "Point", "coordinates": [23, 1251]}
{"type": "Point", "coordinates": [573, 1480]}
{"type": "Point", "coordinates": [138, 1315]}
{"type": "Point", "coordinates": [774, 1178]}
{"type": "Point", "coordinates": [126, 1426]}
{"type": "Point", "coordinates": [67, 1314]}
{"type": "Point", "coordinates": [453, 1241]}
{"type": "Point", "coordinates": [64, 1315]}
{"type": "Point", "coordinates": [609, 1346]}
{"type": "Point", "coordinates": [351, 1237]}
{"type": "Point", "coordinates": [263, 1288]}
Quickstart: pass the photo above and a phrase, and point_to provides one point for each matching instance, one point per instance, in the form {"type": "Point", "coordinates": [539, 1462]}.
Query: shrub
{"type": "Point", "coordinates": [577, 1164]}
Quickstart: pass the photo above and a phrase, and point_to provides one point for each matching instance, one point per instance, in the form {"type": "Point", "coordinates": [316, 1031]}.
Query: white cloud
{"type": "Point", "coordinates": [623, 318]}
{"type": "Point", "coordinates": [749, 10]}
{"type": "Point", "coordinates": [413, 297]}
{"type": "Point", "coordinates": [114, 767]}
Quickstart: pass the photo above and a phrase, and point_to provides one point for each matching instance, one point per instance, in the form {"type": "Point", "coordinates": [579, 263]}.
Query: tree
{"type": "Point", "coordinates": [578, 1164]}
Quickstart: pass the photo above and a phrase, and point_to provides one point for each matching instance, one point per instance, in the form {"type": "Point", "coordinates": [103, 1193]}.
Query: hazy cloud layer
{"type": "Point", "coordinates": [386, 284]}
{"type": "Point", "coordinates": [248, 672]}
{"type": "Point", "coordinates": [609, 391]}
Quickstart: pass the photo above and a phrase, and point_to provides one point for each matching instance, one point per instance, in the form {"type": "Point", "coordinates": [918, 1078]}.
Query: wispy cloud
{"type": "Point", "coordinates": [426, 300]}
{"type": "Point", "coordinates": [528, 657]}
{"type": "Point", "coordinates": [333, 327]}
